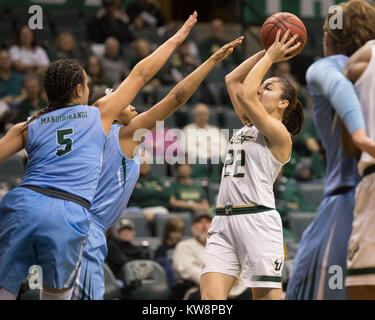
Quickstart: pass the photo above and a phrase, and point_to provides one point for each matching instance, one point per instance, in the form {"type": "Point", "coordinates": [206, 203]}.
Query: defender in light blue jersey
{"type": "Point", "coordinates": [120, 173]}
{"type": "Point", "coordinates": [325, 242]}
{"type": "Point", "coordinates": [45, 221]}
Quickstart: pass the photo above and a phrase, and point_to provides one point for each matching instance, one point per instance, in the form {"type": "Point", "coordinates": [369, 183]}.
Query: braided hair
{"type": "Point", "coordinates": [60, 80]}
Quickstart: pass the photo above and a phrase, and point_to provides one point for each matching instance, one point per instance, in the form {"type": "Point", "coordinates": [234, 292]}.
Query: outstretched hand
{"type": "Point", "coordinates": [181, 34]}
{"type": "Point", "coordinates": [282, 50]}
{"type": "Point", "coordinates": [227, 49]}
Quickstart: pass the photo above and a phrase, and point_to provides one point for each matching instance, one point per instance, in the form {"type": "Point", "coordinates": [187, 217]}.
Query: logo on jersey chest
{"type": "Point", "coordinates": [240, 139]}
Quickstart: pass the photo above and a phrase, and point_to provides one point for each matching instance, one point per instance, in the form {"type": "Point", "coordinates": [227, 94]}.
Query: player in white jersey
{"type": "Point", "coordinates": [360, 279]}
{"type": "Point", "coordinates": [245, 239]}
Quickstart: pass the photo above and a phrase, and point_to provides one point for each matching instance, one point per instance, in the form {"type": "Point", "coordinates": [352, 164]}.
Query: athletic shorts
{"type": "Point", "coordinates": [361, 251]}
{"type": "Point", "coordinates": [248, 247]}
{"type": "Point", "coordinates": [36, 229]}
{"type": "Point", "coordinates": [89, 284]}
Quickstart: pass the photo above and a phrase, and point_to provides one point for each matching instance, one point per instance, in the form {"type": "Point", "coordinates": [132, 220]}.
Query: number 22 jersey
{"type": "Point", "coordinates": [65, 150]}
{"type": "Point", "coordinates": [249, 171]}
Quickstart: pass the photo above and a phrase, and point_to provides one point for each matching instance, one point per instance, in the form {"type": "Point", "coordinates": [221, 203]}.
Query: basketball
{"type": "Point", "coordinates": [282, 21]}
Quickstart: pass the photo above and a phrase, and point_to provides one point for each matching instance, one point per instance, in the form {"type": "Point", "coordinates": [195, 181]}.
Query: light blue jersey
{"type": "Point", "coordinates": [324, 243]}
{"type": "Point", "coordinates": [117, 179]}
{"type": "Point", "coordinates": [65, 148]}
{"type": "Point", "coordinates": [64, 151]}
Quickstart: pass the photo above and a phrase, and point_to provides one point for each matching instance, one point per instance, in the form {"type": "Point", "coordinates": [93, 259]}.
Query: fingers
{"type": "Point", "coordinates": [285, 37]}
{"type": "Point", "coordinates": [291, 40]}
{"type": "Point", "coordinates": [292, 49]}
{"type": "Point", "coordinates": [236, 42]}
{"type": "Point", "coordinates": [278, 36]}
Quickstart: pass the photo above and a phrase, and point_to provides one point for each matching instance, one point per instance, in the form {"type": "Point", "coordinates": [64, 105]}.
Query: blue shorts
{"type": "Point", "coordinates": [89, 284]}
{"type": "Point", "coordinates": [321, 255]}
{"type": "Point", "coordinates": [39, 230]}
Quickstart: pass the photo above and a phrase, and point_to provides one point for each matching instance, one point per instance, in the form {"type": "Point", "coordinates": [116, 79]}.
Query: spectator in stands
{"type": "Point", "coordinates": [149, 10]}
{"type": "Point", "coordinates": [119, 13]}
{"type": "Point", "coordinates": [141, 30]}
{"type": "Point", "coordinates": [120, 247]}
{"type": "Point", "coordinates": [95, 73]}
{"type": "Point", "coordinates": [173, 232]}
{"type": "Point", "coordinates": [182, 62]}
{"type": "Point", "coordinates": [11, 83]}
{"type": "Point", "coordinates": [26, 55]}
{"type": "Point", "coordinates": [284, 70]}
{"type": "Point", "coordinates": [66, 47]}
{"type": "Point", "coordinates": [114, 67]}
{"type": "Point", "coordinates": [143, 49]}
{"type": "Point", "coordinates": [188, 259]}
{"type": "Point", "coordinates": [216, 40]}
{"type": "Point", "coordinates": [187, 196]}
{"type": "Point", "coordinates": [289, 197]}
{"type": "Point", "coordinates": [204, 143]}
{"type": "Point", "coordinates": [110, 24]}
{"type": "Point", "coordinates": [150, 193]}
{"type": "Point", "coordinates": [34, 99]}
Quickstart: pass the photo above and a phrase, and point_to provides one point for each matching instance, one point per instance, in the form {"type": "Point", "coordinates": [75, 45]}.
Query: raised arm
{"type": "Point", "coordinates": [235, 79]}
{"type": "Point", "coordinates": [13, 142]}
{"type": "Point", "coordinates": [175, 99]}
{"type": "Point", "coordinates": [112, 105]}
{"type": "Point", "coordinates": [273, 129]}
{"type": "Point", "coordinates": [358, 139]}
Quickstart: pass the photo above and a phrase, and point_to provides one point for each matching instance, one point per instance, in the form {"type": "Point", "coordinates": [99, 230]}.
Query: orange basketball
{"type": "Point", "coordinates": [282, 21]}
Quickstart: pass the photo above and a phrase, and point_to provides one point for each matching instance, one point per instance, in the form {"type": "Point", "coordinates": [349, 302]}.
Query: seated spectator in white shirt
{"type": "Point", "coordinates": [114, 67]}
{"type": "Point", "coordinates": [204, 142]}
{"type": "Point", "coordinates": [26, 55]}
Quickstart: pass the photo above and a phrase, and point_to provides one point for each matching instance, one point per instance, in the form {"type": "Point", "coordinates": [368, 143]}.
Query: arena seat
{"type": "Point", "coordinates": [312, 192]}
{"type": "Point", "coordinates": [140, 222]}
{"type": "Point", "coordinates": [161, 220]}
{"type": "Point", "coordinates": [299, 221]}
{"type": "Point", "coordinates": [112, 290]}
{"type": "Point", "coordinates": [145, 280]}
{"type": "Point", "coordinates": [13, 167]}
{"type": "Point", "coordinates": [152, 243]}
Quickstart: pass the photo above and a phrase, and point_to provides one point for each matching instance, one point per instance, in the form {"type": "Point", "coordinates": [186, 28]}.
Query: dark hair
{"type": "Point", "coordinates": [293, 115]}
{"type": "Point", "coordinates": [59, 80]}
{"type": "Point", "coordinates": [358, 27]}
{"type": "Point", "coordinates": [17, 37]}
{"type": "Point", "coordinates": [172, 225]}
{"type": "Point", "coordinates": [96, 95]}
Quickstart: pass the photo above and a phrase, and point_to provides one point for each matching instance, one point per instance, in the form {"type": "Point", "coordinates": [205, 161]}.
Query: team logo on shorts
{"type": "Point", "coordinates": [228, 208]}
{"type": "Point", "coordinates": [278, 264]}
{"type": "Point", "coordinates": [352, 252]}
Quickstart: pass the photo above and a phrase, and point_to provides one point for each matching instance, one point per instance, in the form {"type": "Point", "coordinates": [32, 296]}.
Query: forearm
{"type": "Point", "coordinates": [180, 204]}
{"type": "Point", "coordinates": [239, 74]}
{"type": "Point", "coordinates": [12, 142]}
{"type": "Point", "coordinates": [363, 142]}
{"type": "Point", "coordinates": [255, 77]}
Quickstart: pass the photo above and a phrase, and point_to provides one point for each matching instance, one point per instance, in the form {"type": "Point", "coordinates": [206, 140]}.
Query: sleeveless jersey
{"type": "Point", "coordinates": [249, 172]}
{"type": "Point", "coordinates": [365, 88]}
{"type": "Point", "coordinates": [64, 150]}
{"type": "Point", "coordinates": [117, 179]}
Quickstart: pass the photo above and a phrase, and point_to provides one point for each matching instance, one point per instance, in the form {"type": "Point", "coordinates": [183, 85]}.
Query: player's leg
{"type": "Point", "coordinates": [61, 236]}
{"type": "Point", "coordinates": [261, 252]}
{"type": "Point", "coordinates": [360, 293]}
{"type": "Point", "coordinates": [324, 244]}
{"type": "Point", "coordinates": [360, 279]}
{"type": "Point", "coordinates": [17, 228]}
{"type": "Point", "coordinates": [7, 295]}
{"type": "Point", "coordinates": [216, 286]}
{"type": "Point", "coordinates": [266, 294]}
{"type": "Point", "coordinates": [221, 265]}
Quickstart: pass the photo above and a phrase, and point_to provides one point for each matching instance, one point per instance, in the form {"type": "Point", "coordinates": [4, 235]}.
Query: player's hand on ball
{"type": "Point", "coordinates": [181, 34]}
{"type": "Point", "coordinates": [227, 49]}
{"type": "Point", "coordinates": [282, 50]}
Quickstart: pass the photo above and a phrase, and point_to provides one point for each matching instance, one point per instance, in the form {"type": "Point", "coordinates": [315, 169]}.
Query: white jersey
{"type": "Point", "coordinates": [249, 172]}
{"type": "Point", "coordinates": [365, 88]}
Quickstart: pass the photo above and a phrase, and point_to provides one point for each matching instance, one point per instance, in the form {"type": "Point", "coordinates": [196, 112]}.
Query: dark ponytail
{"type": "Point", "coordinates": [293, 116]}
{"type": "Point", "coordinates": [59, 80]}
